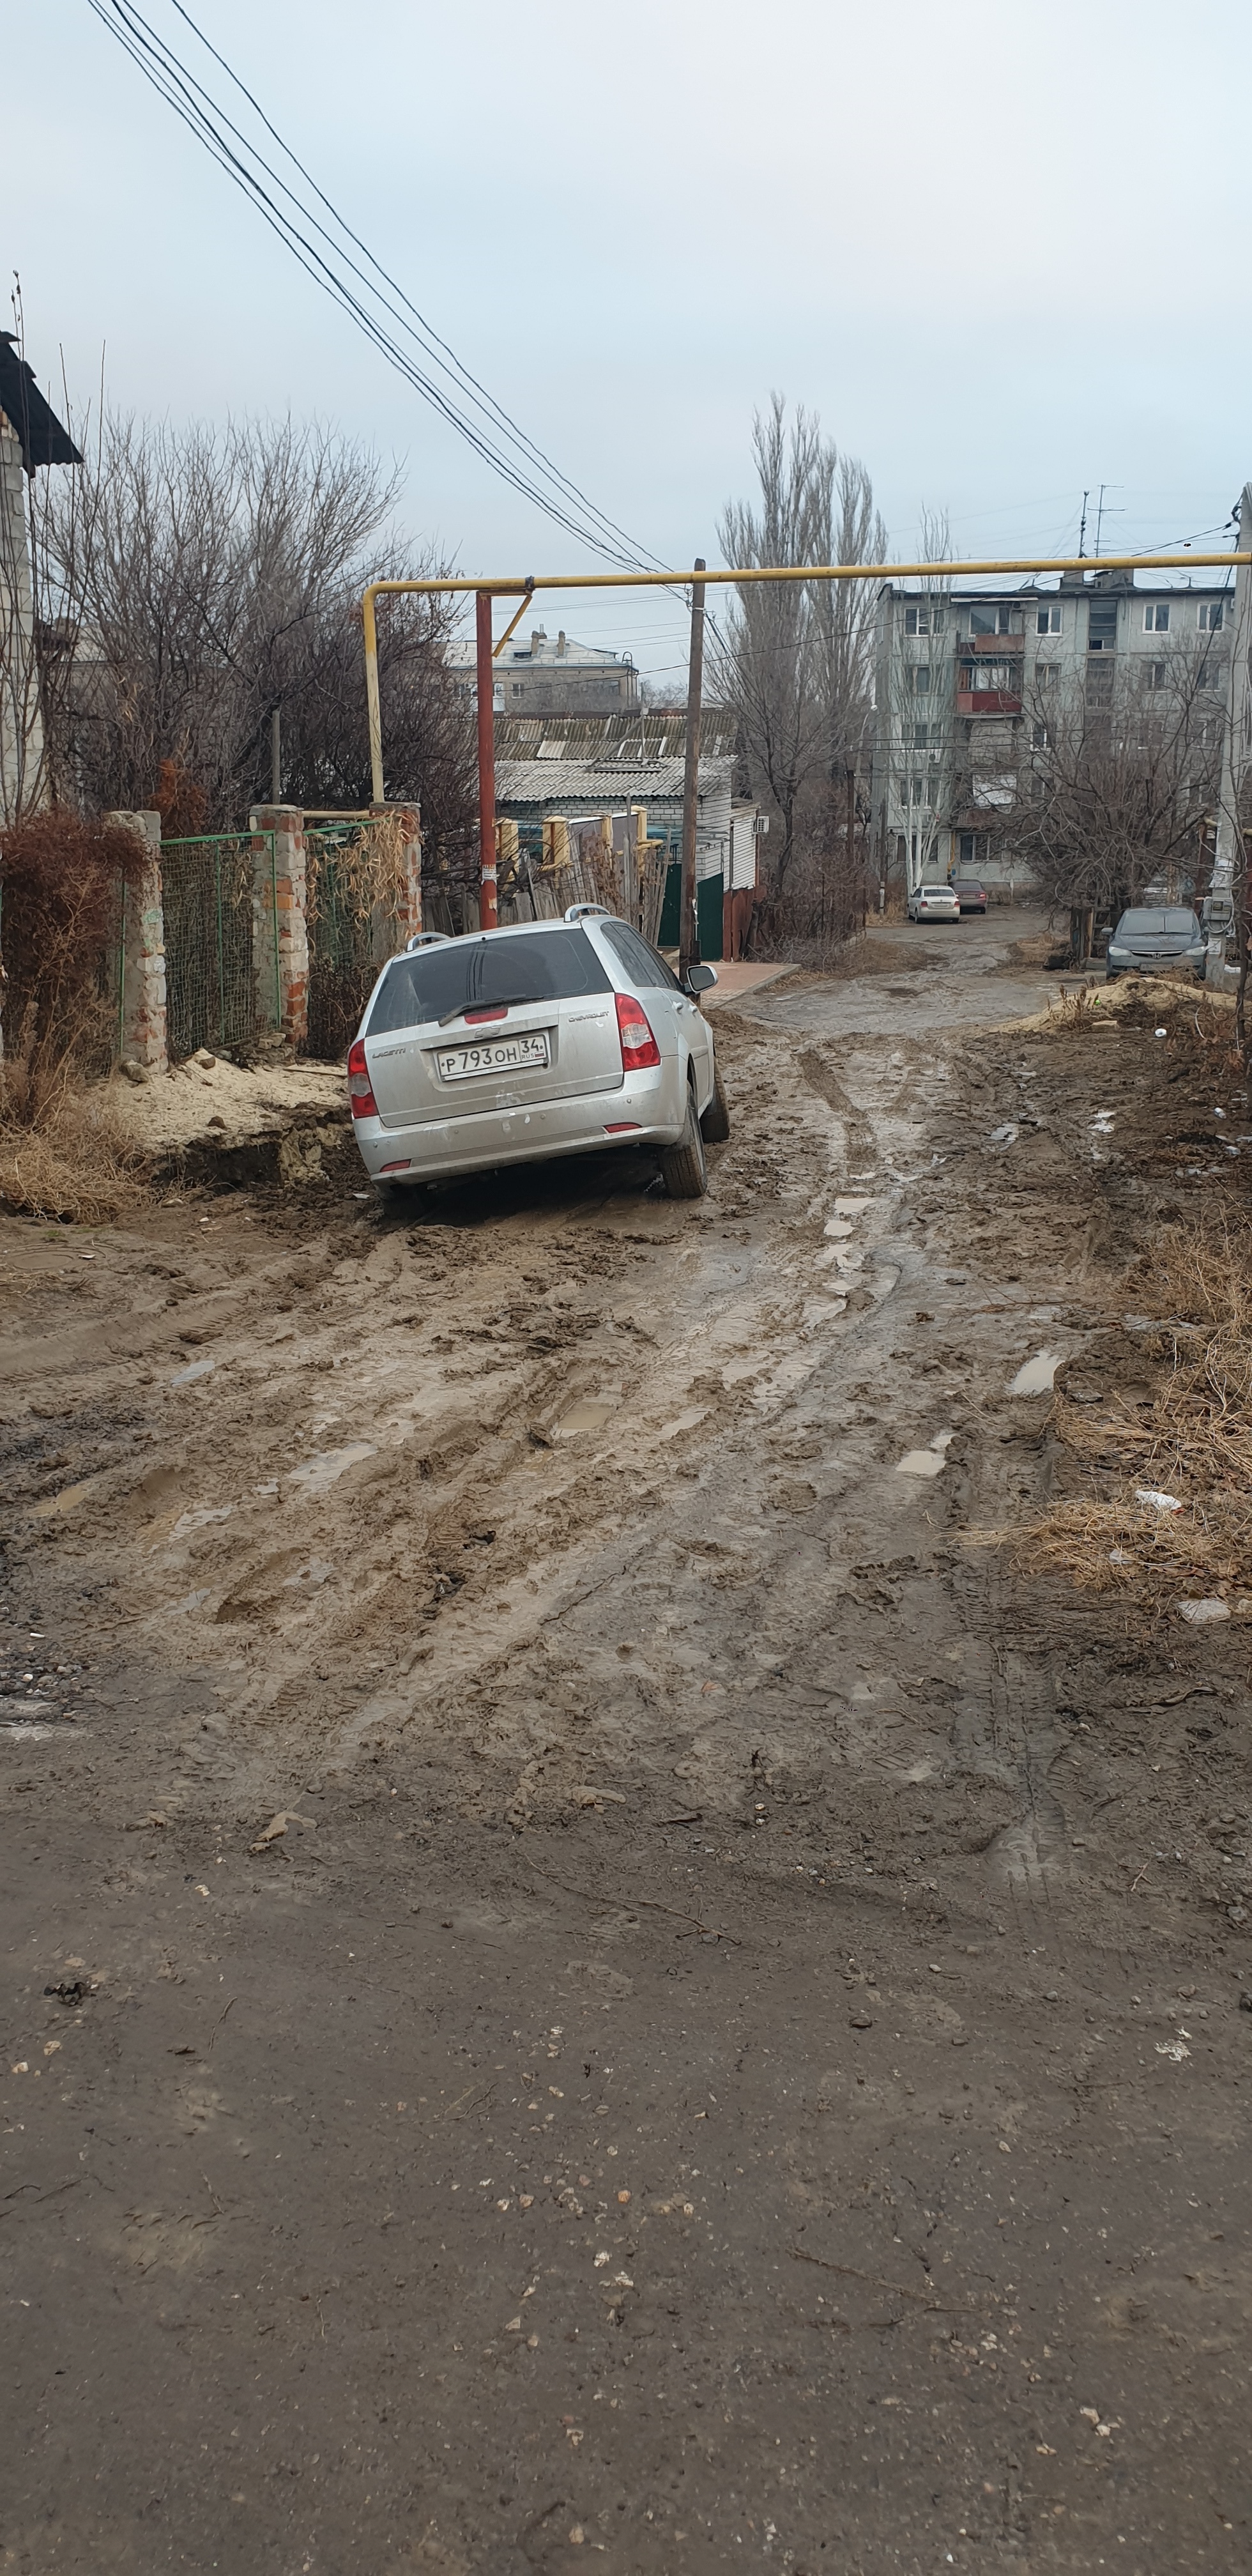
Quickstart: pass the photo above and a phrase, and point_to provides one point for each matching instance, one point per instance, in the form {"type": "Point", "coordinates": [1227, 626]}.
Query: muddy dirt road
{"type": "Point", "coordinates": [589, 1979]}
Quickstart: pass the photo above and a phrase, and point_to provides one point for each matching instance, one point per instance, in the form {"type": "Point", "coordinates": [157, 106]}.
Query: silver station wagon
{"type": "Point", "coordinates": [509, 1046]}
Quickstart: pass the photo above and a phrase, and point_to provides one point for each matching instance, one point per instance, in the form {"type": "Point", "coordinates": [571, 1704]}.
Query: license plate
{"type": "Point", "coordinates": [492, 1055]}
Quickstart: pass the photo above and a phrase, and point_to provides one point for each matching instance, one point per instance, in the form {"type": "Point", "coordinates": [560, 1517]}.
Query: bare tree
{"type": "Point", "coordinates": [1122, 782]}
{"type": "Point", "coordinates": [796, 658]}
{"type": "Point", "coordinates": [847, 530]}
{"type": "Point", "coordinates": [215, 577]}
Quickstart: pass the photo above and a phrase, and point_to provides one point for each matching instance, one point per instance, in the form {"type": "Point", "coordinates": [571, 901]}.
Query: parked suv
{"type": "Point", "coordinates": [508, 1046]}
{"type": "Point", "coordinates": [1155, 935]}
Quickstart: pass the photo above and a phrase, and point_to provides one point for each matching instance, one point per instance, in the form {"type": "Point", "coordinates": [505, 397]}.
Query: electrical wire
{"type": "Point", "coordinates": [563, 502]}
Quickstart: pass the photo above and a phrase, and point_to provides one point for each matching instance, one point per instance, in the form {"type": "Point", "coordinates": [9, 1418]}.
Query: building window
{"type": "Point", "coordinates": [1209, 616]}
{"type": "Point", "coordinates": [921, 679]}
{"type": "Point", "coordinates": [1210, 732]}
{"type": "Point", "coordinates": [1048, 674]}
{"type": "Point", "coordinates": [1048, 619]}
{"type": "Point", "coordinates": [1158, 674]}
{"type": "Point", "coordinates": [1003, 617]}
{"type": "Point", "coordinates": [1156, 617]}
{"type": "Point", "coordinates": [1102, 626]}
{"type": "Point", "coordinates": [921, 736]}
{"type": "Point", "coordinates": [1039, 737]}
{"type": "Point", "coordinates": [923, 620]}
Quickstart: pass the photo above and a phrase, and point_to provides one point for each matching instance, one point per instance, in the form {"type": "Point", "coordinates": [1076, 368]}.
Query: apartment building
{"type": "Point", "coordinates": [971, 683]}
{"type": "Point", "coordinates": [553, 675]}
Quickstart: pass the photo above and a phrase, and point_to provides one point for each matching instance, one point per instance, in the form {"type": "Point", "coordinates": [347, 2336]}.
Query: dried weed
{"type": "Point", "coordinates": [73, 1161]}
{"type": "Point", "coordinates": [1191, 1442]}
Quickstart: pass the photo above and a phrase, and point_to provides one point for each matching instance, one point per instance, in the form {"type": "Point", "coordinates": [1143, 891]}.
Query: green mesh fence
{"type": "Point", "coordinates": [221, 940]}
{"type": "Point", "coordinates": [341, 949]}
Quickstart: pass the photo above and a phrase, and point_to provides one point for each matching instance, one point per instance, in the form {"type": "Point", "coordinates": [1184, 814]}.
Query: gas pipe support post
{"type": "Point", "coordinates": [688, 938]}
{"type": "Point", "coordinates": [487, 914]}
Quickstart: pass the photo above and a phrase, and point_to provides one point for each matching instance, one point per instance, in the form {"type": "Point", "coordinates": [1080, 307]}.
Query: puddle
{"type": "Point", "coordinates": [67, 1500]}
{"type": "Point", "coordinates": [851, 1207]}
{"type": "Point", "coordinates": [822, 1310]}
{"type": "Point", "coordinates": [589, 1415]}
{"type": "Point", "coordinates": [926, 1462]}
{"type": "Point", "coordinates": [837, 1229]}
{"type": "Point", "coordinates": [198, 1368]}
{"type": "Point", "coordinates": [687, 1421]}
{"type": "Point", "coordinates": [323, 1469]}
{"type": "Point", "coordinates": [736, 1370]}
{"type": "Point", "coordinates": [1034, 1377]}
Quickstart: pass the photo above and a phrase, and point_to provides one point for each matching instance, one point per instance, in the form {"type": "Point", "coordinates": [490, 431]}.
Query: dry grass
{"type": "Point", "coordinates": [1192, 1441]}
{"type": "Point", "coordinates": [73, 1160]}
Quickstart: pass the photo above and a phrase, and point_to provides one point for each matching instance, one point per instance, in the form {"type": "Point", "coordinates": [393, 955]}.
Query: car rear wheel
{"type": "Point", "coordinates": [715, 1124]}
{"type": "Point", "coordinates": [683, 1167]}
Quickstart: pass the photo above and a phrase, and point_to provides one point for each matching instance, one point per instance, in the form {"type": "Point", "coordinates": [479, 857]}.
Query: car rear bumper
{"type": "Point", "coordinates": [637, 1113]}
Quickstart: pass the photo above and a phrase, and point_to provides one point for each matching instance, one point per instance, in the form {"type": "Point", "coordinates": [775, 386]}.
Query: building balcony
{"type": "Point", "coordinates": [996, 645]}
{"type": "Point", "coordinates": [988, 702]}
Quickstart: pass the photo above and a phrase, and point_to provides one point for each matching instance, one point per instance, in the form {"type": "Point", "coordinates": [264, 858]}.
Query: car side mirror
{"type": "Point", "coordinates": [699, 979]}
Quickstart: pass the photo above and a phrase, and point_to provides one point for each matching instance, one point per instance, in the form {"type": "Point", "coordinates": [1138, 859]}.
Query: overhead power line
{"type": "Point", "coordinates": [460, 399]}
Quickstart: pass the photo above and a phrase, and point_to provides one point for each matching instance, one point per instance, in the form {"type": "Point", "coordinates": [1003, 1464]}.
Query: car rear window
{"type": "Point", "coordinates": [434, 983]}
{"type": "Point", "coordinates": [966, 885]}
{"type": "Point", "coordinates": [648, 969]}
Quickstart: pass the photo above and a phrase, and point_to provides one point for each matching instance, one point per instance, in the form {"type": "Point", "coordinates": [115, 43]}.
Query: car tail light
{"type": "Point", "coordinates": [639, 1047]}
{"type": "Point", "coordinates": [497, 1011]}
{"type": "Point", "coordinates": [361, 1099]}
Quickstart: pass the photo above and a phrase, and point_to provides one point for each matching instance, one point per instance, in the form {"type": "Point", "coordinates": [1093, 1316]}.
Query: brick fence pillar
{"type": "Point", "coordinates": [281, 897]}
{"type": "Point", "coordinates": [143, 1014]}
{"type": "Point", "coordinates": [393, 925]}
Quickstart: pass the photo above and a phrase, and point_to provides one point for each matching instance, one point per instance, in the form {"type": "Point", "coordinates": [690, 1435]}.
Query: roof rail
{"type": "Point", "coordinates": [589, 912]}
{"type": "Point", "coordinates": [426, 939]}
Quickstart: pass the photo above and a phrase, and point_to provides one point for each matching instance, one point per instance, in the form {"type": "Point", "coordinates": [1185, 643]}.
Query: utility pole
{"type": "Point", "coordinates": [688, 943]}
{"type": "Point", "coordinates": [276, 757]}
{"type": "Point", "coordinates": [1230, 858]}
{"type": "Point", "coordinates": [487, 915]}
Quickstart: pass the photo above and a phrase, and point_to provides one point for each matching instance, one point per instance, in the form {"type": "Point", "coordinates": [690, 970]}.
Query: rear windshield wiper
{"type": "Point", "coordinates": [491, 1002]}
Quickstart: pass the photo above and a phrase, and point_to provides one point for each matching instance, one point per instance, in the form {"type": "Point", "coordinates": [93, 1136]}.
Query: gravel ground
{"type": "Point", "coordinates": [545, 1622]}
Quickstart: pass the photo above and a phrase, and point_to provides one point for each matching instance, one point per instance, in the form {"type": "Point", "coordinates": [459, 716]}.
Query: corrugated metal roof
{"type": "Point", "coordinates": [633, 737]}
{"type": "Point", "coordinates": [33, 423]}
{"type": "Point", "coordinates": [600, 785]}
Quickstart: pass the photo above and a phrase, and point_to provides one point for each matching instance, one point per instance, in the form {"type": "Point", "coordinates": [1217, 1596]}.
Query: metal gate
{"type": "Point", "coordinates": [341, 937]}
{"type": "Point", "coordinates": [220, 898]}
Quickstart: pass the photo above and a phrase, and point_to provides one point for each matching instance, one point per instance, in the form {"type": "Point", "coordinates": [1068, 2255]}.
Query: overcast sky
{"type": "Point", "coordinates": [1003, 253]}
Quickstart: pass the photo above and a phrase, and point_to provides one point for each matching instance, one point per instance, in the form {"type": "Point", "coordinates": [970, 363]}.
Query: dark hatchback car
{"type": "Point", "coordinates": [1151, 936]}
{"type": "Point", "coordinates": [971, 896]}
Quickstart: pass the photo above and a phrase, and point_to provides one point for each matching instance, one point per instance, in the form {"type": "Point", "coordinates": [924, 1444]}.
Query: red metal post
{"type": "Point", "coordinates": [487, 916]}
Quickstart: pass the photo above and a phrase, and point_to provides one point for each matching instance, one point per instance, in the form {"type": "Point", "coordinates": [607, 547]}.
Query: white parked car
{"type": "Point", "coordinates": [508, 1046]}
{"type": "Point", "coordinates": [934, 903]}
